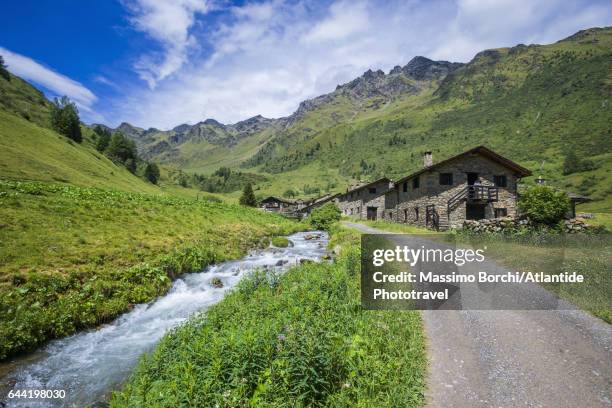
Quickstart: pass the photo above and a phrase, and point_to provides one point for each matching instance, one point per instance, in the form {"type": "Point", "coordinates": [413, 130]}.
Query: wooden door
{"type": "Point", "coordinates": [474, 212]}
{"type": "Point", "coordinates": [371, 213]}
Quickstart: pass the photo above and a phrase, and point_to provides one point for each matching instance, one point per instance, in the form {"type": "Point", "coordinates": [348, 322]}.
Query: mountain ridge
{"type": "Point", "coordinates": [411, 79]}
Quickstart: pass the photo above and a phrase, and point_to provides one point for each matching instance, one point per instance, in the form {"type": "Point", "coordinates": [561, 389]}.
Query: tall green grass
{"type": "Point", "coordinates": [589, 255]}
{"type": "Point", "coordinates": [73, 257]}
{"type": "Point", "coordinates": [300, 339]}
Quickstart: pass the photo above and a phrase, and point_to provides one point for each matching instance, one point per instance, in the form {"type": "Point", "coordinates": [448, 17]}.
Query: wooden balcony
{"type": "Point", "coordinates": [482, 193]}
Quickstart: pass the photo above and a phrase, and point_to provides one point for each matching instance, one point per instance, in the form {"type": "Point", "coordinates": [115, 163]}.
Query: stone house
{"type": "Point", "coordinates": [476, 184]}
{"type": "Point", "coordinates": [315, 203]}
{"type": "Point", "coordinates": [278, 205]}
{"type": "Point", "coordinates": [366, 201]}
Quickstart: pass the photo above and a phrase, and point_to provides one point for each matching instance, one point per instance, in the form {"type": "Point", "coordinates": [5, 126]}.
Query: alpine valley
{"type": "Point", "coordinates": [535, 104]}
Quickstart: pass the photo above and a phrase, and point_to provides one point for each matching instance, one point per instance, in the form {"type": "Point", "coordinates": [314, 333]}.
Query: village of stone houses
{"type": "Point", "coordinates": [477, 189]}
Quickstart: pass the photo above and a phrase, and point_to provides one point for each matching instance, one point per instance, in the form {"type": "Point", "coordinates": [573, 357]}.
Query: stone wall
{"type": "Point", "coordinates": [571, 226]}
{"type": "Point", "coordinates": [354, 203]}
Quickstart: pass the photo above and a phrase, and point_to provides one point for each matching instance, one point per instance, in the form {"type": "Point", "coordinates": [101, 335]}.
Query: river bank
{"type": "Point", "coordinates": [299, 340]}
{"type": "Point", "coordinates": [89, 365]}
{"type": "Point", "coordinates": [74, 257]}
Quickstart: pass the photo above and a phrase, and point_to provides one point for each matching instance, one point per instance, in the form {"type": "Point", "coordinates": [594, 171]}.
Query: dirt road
{"type": "Point", "coordinates": [516, 358]}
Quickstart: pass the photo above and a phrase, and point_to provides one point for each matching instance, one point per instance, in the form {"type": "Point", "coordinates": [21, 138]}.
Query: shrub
{"type": "Point", "coordinates": [325, 216]}
{"type": "Point", "coordinates": [574, 164]}
{"type": "Point", "coordinates": [544, 205]}
{"type": "Point", "coordinates": [280, 242]}
{"type": "Point", "coordinates": [289, 193]}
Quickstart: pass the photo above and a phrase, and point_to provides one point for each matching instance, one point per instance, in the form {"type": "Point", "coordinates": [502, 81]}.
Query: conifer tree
{"type": "Point", "coordinates": [152, 172]}
{"type": "Point", "coordinates": [248, 197]}
{"type": "Point", "coordinates": [3, 71]}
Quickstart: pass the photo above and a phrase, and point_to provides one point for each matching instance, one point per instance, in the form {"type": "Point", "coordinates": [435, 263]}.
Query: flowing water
{"type": "Point", "coordinates": [91, 364]}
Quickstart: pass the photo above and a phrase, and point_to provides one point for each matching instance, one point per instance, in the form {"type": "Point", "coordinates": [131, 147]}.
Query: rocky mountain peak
{"type": "Point", "coordinates": [253, 125]}
{"type": "Point", "coordinates": [369, 74]}
{"type": "Point", "coordinates": [396, 70]}
{"type": "Point", "coordinates": [212, 122]}
{"type": "Point", "coordinates": [182, 128]}
{"type": "Point", "coordinates": [129, 130]}
{"type": "Point", "coordinates": [125, 125]}
{"type": "Point", "coordinates": [421, 68]}
{"type": "Point", "coordinates": [253, 120]}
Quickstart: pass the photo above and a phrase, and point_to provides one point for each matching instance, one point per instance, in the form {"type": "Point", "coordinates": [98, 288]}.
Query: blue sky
{"type": "Point", "coordinates": [160, 63]}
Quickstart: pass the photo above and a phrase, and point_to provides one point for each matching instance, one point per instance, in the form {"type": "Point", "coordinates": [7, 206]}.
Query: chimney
{"type": "Point", "coordinates": [427, 159]}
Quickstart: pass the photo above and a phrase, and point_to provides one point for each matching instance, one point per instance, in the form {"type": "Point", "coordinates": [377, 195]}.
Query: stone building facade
{"type": "Point", "coordinates": [477, 184]}
{"type": "Point", "coordinates": [366, 201]}
{"type": "Point", "coordinates": [278, 205]}
{"type": "Point", "coordinates": [306, 209]}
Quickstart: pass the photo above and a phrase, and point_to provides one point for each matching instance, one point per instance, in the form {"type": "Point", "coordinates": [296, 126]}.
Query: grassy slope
{"type": "Point", "coordinates": [297, 340]}
{"type": "Point", "coordinates": [205, 158]}
{"type": "Point", "coordinates": [73, 257]}
{"type": "Point", "coordinates": [31, 152]}
{"type": "Point", "coordinates": [21, 99]}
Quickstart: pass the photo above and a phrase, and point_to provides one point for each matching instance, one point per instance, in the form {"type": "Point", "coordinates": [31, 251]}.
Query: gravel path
{"type": "Point", "coordinates": [516, 358]}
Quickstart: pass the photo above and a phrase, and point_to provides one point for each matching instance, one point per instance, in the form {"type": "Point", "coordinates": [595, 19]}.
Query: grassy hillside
{"type": "Point", "coordinates": [205, 157]}
{"type": "Point", "coordinates": [74, 257]}
{"type": "Point", "coordinates": [22, 99]}
{"type": "Point", "coordinates": [31, 152]}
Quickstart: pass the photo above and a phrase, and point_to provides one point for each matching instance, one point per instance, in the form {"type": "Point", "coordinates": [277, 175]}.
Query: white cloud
{"type": "Point", "coordinates": [57, 83]}
{"type": "Point", "coordinates": [346, 18]}
{"type": "Point", "coordinates": [168, 23]}
{"type": "Point", "coordinates": [267, 57]}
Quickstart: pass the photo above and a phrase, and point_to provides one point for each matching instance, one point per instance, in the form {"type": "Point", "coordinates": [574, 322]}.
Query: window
{"type": "Point", "coordinates": [372, 190]}
{"type": "Point", "coordinates": [446, 179]}
{"type": "Point", "coordinates": [405, 187]}
{"type": "Point", "coordinates": [500, 181]}
{"type": "Point", "coordinates": [416, 213]}
{"type": "Point", "coordinates": [415, 182]}
{"type": "Point", "coordinates": [501, 212]}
